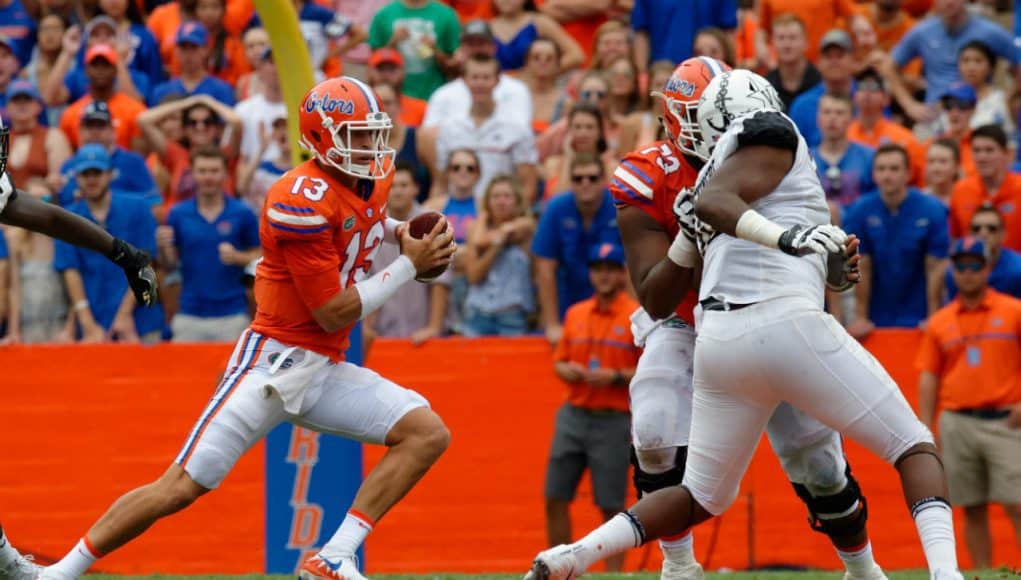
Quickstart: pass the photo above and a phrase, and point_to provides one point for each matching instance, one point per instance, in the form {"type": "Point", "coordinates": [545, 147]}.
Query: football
{"type": "Point", "coordinates": [418, 227]}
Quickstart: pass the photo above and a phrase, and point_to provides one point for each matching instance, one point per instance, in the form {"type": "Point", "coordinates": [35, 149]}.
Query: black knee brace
{"type": "Point", "coordinates": [822, 509]}
{"type": "Point", "coordinates": [650, 482]}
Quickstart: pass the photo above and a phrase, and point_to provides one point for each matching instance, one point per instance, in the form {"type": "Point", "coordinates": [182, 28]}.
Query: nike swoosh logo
{"type": "Point", "coordinates": [385, 276]}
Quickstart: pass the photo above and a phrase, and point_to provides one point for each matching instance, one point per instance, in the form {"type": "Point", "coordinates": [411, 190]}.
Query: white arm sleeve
{"type": "Point", "coordinates": [381, 286]}
{"type": "Point", "coordinates": [390, 230]}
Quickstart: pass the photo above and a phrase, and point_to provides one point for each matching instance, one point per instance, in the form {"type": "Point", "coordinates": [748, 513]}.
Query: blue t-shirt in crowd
{"type": "Point", "coordinates": [4, 254]}
{"type": "Point", "coordinates": [561, 236]}
{"type": "Point", "coordinates": [673, 24]}
{"type": "Point", "coordinates": [845, 182]}
{"type": "Point", "coordinates": [210, 288]}
{"type": "Point", "coordinates": [1005, 276]}
{"type": "Point", "coordinates": [804, 112]}
{"type": "Point", "coordinates": [130, 175]}
{"type": "Point", "coordinates": [938, 48]}
{"type": "Point", "coordinates": [17, 25]}
{"type": "Point", "coordinates": [77, 84]}
{"type": "Point", "coordinates": [210, 85]}
{"type": "Point", "coordinates": [131, 220]}
{"type": "Point", "coordinates": [460, 213]}
{"type": "Point", "coordinates": [898, 244]}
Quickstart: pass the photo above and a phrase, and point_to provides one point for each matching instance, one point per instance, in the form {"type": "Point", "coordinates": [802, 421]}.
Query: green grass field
{"type": "Point", "coordinates": [912, 575]}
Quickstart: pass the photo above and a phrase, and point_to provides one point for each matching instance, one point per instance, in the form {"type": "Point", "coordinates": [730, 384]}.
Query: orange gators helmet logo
{"type": "Point", "coordinates": [680, 101]}
{"type": "Point", "coordinates": [344, 126]}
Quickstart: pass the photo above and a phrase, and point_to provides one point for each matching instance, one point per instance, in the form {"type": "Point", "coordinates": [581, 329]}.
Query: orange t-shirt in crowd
{"type": "Point", "coordinates": [165, 19]}
{"type": "Point", "coordinates": [819, 17]}
{"type": "Point", "coordinates": [312, 228]}
{"type": "Point", "coordinates": [889, 34]}
{"type": "Point", "coordinates": [975, 353]}
{"type": "Point", "coordinates": [583, 30]}
{"type": "Point", "coordinates": [969, 194]}
{"type": "Point", "coordinates": [472, 9]}
{"type": "Point", "coordinates": [885, 131]}
{"type": "Point", "coordinates": [412, 111]}
{"type": "Point", "coordinates": [598, 338]}
{"type": "Point", "coordinates": [744, 37]}
{"type": "Point", "coordinates": [123, 109]}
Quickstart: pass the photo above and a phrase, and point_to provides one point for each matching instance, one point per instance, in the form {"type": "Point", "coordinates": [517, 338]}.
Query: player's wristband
{"type": "Point", "coordinates": [683, 252]}
{"type": "Point", "coordinates": [390, 230]}
{"type": "Point", "coordinates": [752, 226]}
{"type": "Point", "coordinates": [380, 287]}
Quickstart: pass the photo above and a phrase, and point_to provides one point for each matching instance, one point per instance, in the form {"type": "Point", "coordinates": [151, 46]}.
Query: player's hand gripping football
{"type": "Point", "coordinates": [137, 267]}
{"type": "Point", "coordinates": [822, 239]}
{"type": "Point", "coordinates": [435, 249]}
{"type": "Point", "coordinates": [842, 268]}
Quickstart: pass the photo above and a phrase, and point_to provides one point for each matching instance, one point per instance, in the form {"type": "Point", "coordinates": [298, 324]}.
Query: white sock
{"type": "Point", "coordinates": [935, 522]}
{"type": "Point", "coordinates": [858, 561]}
{"type": "Point", "coordinates": [75, 563]}
{"type": "Point", "coordinates": [679, 550]}
{"type": "Point", "coordinates": [348, 537]}
{"type": "Point", "coordinates": [616, 536]}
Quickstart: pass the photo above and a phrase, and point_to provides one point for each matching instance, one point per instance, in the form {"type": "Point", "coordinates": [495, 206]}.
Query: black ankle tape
{"type": "Point", "coordinates": [637, 525]}
{"type": "Point", "coordinates": [928, 502]}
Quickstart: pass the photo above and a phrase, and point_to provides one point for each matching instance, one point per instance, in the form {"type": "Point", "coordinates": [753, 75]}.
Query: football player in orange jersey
{"type": "Point", "coordinates": [653, 205]}
{"type": "Point", "coordinates": [321, 227]}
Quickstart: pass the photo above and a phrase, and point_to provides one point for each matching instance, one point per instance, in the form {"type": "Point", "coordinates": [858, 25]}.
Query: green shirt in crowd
{"type": "Point", "coordinates": [432, 20]}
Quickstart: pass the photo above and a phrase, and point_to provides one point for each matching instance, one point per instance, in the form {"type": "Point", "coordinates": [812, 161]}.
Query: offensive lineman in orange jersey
{"type": "Point", "coordinates": [651, 190]}
{"type": "Point", "coordinates": [325, 216]}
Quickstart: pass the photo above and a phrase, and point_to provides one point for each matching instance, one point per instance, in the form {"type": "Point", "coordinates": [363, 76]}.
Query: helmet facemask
{"type": "Point", "coordinates": [341, 156]}
{"type": "Point", "coordinates": [685, 116]}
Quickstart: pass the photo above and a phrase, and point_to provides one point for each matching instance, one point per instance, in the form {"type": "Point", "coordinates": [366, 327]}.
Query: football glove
{"type": "Point", "coordinates": [138, 268]}
{"type": "Point", "coordinates": [822, 239]}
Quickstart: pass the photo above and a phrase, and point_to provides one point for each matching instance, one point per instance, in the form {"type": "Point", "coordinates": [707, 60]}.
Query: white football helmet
{"type": "Point", "coordinates": [729, 96]}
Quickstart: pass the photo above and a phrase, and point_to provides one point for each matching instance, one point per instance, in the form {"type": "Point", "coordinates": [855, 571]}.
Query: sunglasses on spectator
{"type": "Point", "coordinates": [968, 266]}
{"type": "Point", "coordinates": [467, 167]}
{"type": "Point", "coordinates": [958, 104]}
{"type": "Point", "coordinates": [583, 178]}
{"type": "Point", "coordinates": [206, 122]}
{"type": "Point", "coordinates": [977, 228]}
{"type": "Point", "coordinates": [591, 95]}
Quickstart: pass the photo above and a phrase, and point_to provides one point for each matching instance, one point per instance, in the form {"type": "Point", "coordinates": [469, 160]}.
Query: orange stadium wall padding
{"type": "Point", "coordinates": [83, 424]}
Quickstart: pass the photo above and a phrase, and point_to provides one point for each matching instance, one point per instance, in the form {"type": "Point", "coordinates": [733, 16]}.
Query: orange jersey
{"type": "Point", "coordinates": [318, 238]}
{"type": "Point", "coordinates": [885, 131]}
{"type": "Point", "coordinates": [969, 194]}
{"type": "Point", "coordinates": [650, 179]}
{"type": "Point", "coordinates": [819, 16]}
{"type": "Point", "coordinates": [599, 338]}
{"type": "Point", "coordinates": [123, 109]}
{"type": "Point", "coordinates": [975, 353]}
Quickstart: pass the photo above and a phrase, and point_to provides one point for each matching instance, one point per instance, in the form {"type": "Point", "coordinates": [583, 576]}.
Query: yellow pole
{"type": "Point", "coordinates": [294, 67]}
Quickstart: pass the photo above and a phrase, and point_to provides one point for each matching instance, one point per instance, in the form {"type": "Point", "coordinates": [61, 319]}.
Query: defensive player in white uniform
{"type": "Point", "coordinates": [645, 186]}
{"type": "Point", "coordinates": [764, 241]}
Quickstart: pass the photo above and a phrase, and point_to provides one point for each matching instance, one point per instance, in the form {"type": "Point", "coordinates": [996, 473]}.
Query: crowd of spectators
{"type": "Point", "coordinates": [165, 122]}
{"type": "Point", "coordinates": [509, 116]}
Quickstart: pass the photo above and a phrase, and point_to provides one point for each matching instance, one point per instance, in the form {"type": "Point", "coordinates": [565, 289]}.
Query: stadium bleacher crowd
{"type": "Point", "coordinates": [509, 117]}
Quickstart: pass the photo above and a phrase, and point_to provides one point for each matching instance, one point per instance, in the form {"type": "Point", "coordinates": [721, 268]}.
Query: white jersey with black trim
{"type": "Point", "coordinates": [742, 272]}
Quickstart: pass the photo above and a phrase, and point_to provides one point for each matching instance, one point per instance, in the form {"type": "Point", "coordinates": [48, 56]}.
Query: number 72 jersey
{"type": "Point", "coordinates": [652, 180]}
{"type": "Point", "coordinates": [318, 237]}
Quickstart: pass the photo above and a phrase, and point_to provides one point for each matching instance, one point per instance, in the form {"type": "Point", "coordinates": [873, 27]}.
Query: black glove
{"type": "Point", "coordinates": [138, 268]}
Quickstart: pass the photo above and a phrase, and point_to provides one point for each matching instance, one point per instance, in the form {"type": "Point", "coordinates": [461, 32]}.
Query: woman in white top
{"type": "Point", "coordinates": [976, 63]}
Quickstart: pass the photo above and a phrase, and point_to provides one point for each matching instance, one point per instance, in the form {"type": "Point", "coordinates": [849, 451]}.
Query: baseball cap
{"type": "Point", "coordinates": [97, 112]}
{"type": "Point", "coordinates": [21, 87]}
{"type": "Point", "coordinates": [960, 92]}
{"type": "Point", "coordinates": [968, 246]}
{"type": "Point", "coordinates": [869, 74]}
{"type": "Point", "coordinates": [92, 156]}
{"type": "Point", "coordinates": [101, 20]}
{"type": "Point", "coordinates": [104, 51]}
{"type": "Point", "coordinates": [385, 55]}
{"type": "Point", "coordinates": [835, 37]}
{"type": "Point", "coordinates": [192, 33]}
{"type": "Point", "coordinates": [607, 252]}
{"type": "Point", "coordinates": [477, 28]}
